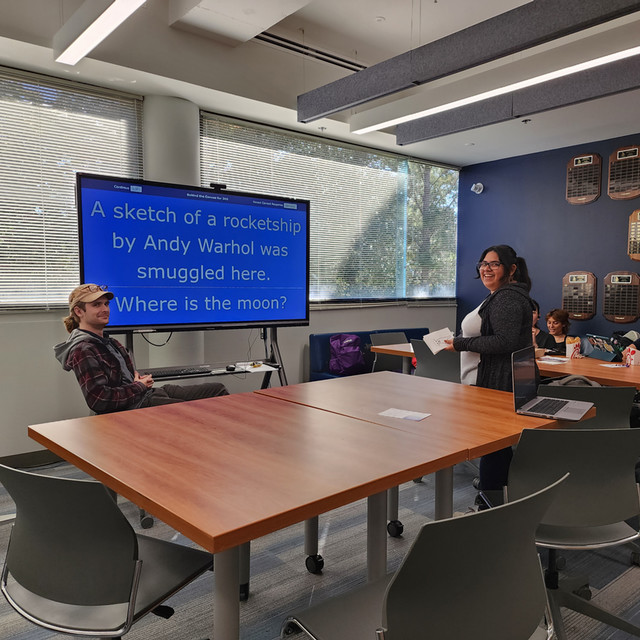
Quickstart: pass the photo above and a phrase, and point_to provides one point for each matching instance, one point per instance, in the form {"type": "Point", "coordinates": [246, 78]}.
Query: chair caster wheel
{"type": "Point", "coordinates": [314, 564]}
{"type": "Point", "coordinates": [418, 480]}
{"type": "Point", "coordinates": [395, 528]}
{"type": "Point", "coordinates": [561, 563]}
{"type": "Point", "coordinates": [583, 592]}
{"type": "Point", "coordinates": [146, 521]}
{"type": "Point", "coordinates": [244, 592]}
{"type": "Point", "coordinates": [635, 558]}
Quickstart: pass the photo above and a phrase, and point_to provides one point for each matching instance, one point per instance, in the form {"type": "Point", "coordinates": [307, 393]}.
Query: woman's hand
{"type": "Point", "coordinates": [449, 343]}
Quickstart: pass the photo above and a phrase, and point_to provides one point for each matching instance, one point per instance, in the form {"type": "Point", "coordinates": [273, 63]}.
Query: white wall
{"type": "Point", "coordinates": [35, 389]}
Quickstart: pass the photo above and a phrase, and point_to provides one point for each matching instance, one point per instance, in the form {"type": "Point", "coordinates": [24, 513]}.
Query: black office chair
{"type": "Point", "coordinates": [476, 576]}
{"type": "Point", "coordinates": [74, 564]}
{"type": "Point", "coordinates": [592, 507]}
{"type": "Point", "coordinates": [444, 365]}
{"type": "Point", "coordinates": [385, 361]}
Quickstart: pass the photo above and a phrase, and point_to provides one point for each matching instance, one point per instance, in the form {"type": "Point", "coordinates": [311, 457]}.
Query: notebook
{"type": "Point", "coordinates": [525, 392]}
{"type": "Point", "coordinates": [604, 348]}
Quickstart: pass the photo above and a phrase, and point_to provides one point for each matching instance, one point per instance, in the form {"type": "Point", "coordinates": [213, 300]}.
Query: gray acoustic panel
{"type": "Point", "coordinates": [471, 116]}
{"type": "Point", "coordinates": [613, 78]}
{"type": "Point", "coordinates": [516, 30]}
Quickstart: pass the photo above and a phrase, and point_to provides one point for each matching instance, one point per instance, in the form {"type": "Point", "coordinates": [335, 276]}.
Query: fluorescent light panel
{"type": "Point", "coordinates": [98, 30]}
{"type": "Point", "coordinates": [546, 77]}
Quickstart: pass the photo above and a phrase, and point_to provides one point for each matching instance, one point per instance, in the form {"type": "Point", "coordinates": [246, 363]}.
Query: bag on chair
{"type": "Point", "coordinates": [346, 356]}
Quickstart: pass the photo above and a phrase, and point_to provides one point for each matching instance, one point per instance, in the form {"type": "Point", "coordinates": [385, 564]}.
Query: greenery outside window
{"type": "Point", "coordinates": [383, 226]}
{"type": "Point", "coordinates": [49, 130]}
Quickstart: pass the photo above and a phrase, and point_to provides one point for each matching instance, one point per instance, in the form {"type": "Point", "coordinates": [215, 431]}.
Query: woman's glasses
{"type": "Point", "coordinates": [488, 265]}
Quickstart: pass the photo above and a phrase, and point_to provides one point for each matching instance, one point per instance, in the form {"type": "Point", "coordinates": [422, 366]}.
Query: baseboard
{"type": "Point", "coordinates": [31, 459]}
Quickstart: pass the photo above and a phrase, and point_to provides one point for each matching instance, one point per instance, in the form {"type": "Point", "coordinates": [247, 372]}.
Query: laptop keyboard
{"type": "Point", "coordinates": [548, 406]}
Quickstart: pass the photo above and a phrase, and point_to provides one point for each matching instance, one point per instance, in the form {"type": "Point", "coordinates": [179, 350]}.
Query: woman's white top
{"type": "Point", "coordinates": [469, 360]}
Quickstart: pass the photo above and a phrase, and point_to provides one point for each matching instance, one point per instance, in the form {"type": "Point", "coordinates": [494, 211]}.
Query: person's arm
{"type": "Point", "coordinates": [504, 313]}
{"type": "Point", "coordinates": [101, 395]}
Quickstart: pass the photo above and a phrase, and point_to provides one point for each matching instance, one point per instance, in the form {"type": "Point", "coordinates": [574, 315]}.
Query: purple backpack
{"type": "Point", "coordinates": [345, 355]}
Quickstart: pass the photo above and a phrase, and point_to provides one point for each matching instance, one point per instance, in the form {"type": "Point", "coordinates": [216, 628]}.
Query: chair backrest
{"type": "Point", "coordinates": [384, 361]}
{"type": "Point", "coordinates": [444, 365]}
{"type": "Point", "coordinates": [70, 544]}
{"type": "Point", "coordinates": [477, 576]}
{"type": "Point", "coordinates": [601, 488]}
{"type": "Point", "coordinates": [613, 404]}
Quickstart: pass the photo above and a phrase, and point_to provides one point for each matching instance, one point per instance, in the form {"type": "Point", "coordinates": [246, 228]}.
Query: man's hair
{"type": "Point", "coordinates": [71, 321]}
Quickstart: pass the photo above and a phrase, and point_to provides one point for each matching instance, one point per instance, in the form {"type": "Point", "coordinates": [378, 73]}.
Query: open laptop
{"type": "Point", "coordinates": [525, 392]}
{"type": "Point", "coordinates": [605, 348]}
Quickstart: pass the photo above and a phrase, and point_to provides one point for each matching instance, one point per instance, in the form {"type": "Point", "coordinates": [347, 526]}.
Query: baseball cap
{"type": "Point", "coordinates": [88, 293]}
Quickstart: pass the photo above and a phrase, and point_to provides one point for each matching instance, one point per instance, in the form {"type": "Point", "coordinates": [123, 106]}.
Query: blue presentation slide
{"type": "Point", "coordinates": [182, 256]}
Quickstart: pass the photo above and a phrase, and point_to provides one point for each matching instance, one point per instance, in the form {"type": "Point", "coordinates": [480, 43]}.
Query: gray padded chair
{"type": "Point", "coordinates": [591, 508]}
{"type": "Point", "coordinates": [448, 584]}
{"type": "Point", "coordinates": [442, 366]}
{"type": "Point", "coordinates": [384, 361]}
{"type": "Point", "coordinates": [613, 404]}
{"type": "Point", "coordinates": [74, 564]}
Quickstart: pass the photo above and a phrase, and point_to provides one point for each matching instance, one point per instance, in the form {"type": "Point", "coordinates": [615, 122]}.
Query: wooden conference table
{"type": "Point", "coordinates": [224, 471]}
{"type": "Point", "coordinates": [592, 368]}
{"type": "Point", "coordinates": [403, 349]}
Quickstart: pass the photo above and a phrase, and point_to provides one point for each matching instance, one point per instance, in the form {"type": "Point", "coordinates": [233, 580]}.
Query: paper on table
{"type": "Point", "coordinates": [405, 415]}
{"type": "Point", "coordinates": [436, 339]}
{"type": "Point", "coordinates": [553, 360]}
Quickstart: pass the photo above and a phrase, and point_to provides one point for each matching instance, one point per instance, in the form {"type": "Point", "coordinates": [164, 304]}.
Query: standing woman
{"type": "Point", "coordinates": [505, 318]}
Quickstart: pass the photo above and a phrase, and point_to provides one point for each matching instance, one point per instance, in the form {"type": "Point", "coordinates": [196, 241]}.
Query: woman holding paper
{"type": "Point", "coordinates": [500, 325]}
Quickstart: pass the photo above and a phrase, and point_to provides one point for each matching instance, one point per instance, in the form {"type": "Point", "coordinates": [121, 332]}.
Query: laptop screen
{"type": "Point", "coordinates": [523, 369]}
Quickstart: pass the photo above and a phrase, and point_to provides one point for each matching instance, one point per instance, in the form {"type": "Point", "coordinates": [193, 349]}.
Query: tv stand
{"type": "Point", "coordinates": [273, 359]}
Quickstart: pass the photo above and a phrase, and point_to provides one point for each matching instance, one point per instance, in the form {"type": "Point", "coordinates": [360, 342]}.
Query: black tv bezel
{"type": "Point", "coordinates": [195, 326]}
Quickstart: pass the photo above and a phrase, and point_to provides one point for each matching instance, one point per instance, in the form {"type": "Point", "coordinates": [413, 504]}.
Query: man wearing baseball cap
{"type": "Point", "coordinates": [103, 367]}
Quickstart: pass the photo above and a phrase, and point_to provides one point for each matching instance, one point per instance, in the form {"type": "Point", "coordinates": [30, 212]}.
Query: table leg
{"type": "Point", "coordinates": [226, 605]}
{"type": "Point", "coordinates": [245, 570]}
{"type": "Point", "coordinates": [392, 503]}
{"type": "Point", "coordinates": [406, 365]}
{"type": "Point", "coordinates": [314, 561]}
{"type": "Point", "coordinates": [376, 536]}
{"type": "Point", "coordinates": [444, 493]}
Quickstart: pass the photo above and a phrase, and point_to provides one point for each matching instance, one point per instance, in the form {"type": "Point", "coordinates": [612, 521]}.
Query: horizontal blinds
{"type": "Point", "coordinates": [49, 130]}
{"type": "Point", "coordinates": [377, 232]}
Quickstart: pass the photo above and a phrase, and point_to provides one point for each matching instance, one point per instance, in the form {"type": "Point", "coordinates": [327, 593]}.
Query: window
{"type": "Point", "coordinates": [383, 226]}
{"type": "Point", "coordinates": [50, 130]}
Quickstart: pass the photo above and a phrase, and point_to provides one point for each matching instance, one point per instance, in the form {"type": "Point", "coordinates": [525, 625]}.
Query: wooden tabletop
{"type": "Point", "coordinates": [481, 420]}
{"type": "Point", "coordinates": [224, 471]}
{"type": "Point", "coordinates": [403, 349]}
{"type": "Point", "coordinates": [598, 370]}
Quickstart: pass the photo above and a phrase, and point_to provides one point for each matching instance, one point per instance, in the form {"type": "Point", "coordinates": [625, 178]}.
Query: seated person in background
{"type": "Point", "coordinates": [558, 325]}
{"type": "Point", "coordinates": [541, 339]}
{"type": "Point", "coordinates": [103, 366]}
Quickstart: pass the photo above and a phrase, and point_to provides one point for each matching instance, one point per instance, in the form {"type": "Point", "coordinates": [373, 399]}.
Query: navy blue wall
{"type": "Point", "coordinates": [523, 204]}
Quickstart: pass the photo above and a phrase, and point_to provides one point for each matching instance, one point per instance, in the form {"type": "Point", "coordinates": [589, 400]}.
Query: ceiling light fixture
{"type": "Point", "coordinates": [89, 26]}
{"type": "Point", "coordinates": [546, 77]}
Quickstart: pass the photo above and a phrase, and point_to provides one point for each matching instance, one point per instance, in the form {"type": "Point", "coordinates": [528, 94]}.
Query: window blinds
{"type": "Point", "coordinates": [49, 130]}
{"type": "Point", "coordinates": [382, 226]}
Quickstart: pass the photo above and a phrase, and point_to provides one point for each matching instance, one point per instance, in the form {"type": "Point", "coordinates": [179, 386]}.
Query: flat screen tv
{"type": "Point", "coordinates": [179, 257]}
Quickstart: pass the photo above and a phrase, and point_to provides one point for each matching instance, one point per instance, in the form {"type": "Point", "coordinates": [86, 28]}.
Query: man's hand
{"type": "Point", "coordinates": [147, 379]}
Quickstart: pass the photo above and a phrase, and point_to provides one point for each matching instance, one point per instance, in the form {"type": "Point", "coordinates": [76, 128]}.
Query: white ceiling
{"type": "Point", "coordinates": [206, 51]}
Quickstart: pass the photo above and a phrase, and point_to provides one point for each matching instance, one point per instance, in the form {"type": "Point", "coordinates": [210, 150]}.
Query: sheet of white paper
{"type": "Point", "coordinates": [552, 360]}
{"type": "Point", "coordinates": [404, 415]}
{"type": "Point", "coordinates": [254, 369]}
{"type": "Point", "coordinates": [435, 340]}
